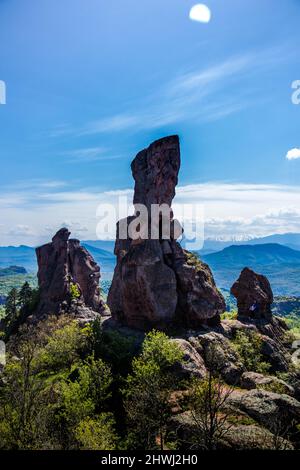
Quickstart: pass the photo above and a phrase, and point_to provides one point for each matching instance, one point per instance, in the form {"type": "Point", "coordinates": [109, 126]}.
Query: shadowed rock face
{"type": "Point", "coordinates": [62, 264]}
{"type": "Point", "coordinates": [155, 284]}
{"type": "Point", "coordinates": [254, 295]}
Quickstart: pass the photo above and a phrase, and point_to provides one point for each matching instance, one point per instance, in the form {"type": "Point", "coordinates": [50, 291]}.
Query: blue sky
{"type": "Point", "coordinates": [90, 83]}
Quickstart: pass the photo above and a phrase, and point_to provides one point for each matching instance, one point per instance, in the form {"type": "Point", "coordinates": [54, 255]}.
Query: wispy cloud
{"type": "Point", "coordinates": [88, 155]}
{"type": "Point", "coordinates": [203, 95]}
{"type": "Point", "coordinates": [187, 96]}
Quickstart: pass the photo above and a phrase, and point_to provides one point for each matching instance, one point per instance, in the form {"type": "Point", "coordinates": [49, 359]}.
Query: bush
{"type": "Point", "coordinates": [65, 341]}
{"type": "Point", "coordinates": [249, 348]}
{"type": "Point", "coordinates": [232, 315]}
{"type": "Point", "coordinates": [74, 291]}
{"type": "Point", "coordinates": [97, 433]}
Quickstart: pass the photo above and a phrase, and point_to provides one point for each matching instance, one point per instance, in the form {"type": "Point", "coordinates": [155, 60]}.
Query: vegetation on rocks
{"type": "Point", "coordinates": [249, 348]}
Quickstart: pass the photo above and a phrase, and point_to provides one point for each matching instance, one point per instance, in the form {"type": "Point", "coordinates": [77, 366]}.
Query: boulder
{"type": "Point", "coordinates": [155, 284]}
{"type": "Point", "coordinates": [219, 356]}
{"type": "Point", "coordinates": [68, 278]}
{"type": "Point", "coordinates": [234, 437]}
{"type": "Point", "coordinates": [253, 437]}
{"type": "Point", "coordinates": [192, 364]}
{"type": "Point", "coordinates": [253, 380]}
{"type": "Point", "coordinates": [254, 295]}
{"type": "Point", "coordinates": [272, 410]}
{"type": "Point", "coordinates": [271, 333]}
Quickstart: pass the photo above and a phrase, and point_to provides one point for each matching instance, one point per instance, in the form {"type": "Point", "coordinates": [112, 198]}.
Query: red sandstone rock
{"type": "Point", "coordinates": [254, 295]}
{"type": "Point", "coordinates": [63, 263]}
{"type": "Point", "coordinates": [154, 283]}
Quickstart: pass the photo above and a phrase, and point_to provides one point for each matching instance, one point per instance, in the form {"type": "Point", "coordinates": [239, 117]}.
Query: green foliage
{"type": "Point", "coordinates": [287, 306]}
{"type": "Point", "coordinates": [160, 351]}
{"type": "Point", "coordinates": [293, 322]}
{"type": "Point", "coordinates": [19, 305]}
{"type": "Point", "coordinates": [148, 389]}
{"type": "Point", "coordinates": [114, 348]}
{"type": "Point", "coordinates": [12, 311]}
{"type": "Point", "coordinates": [74, 291]}
{"type": "Point", "coordinates": [249, 348]}
{"type": "Point", "coordinates": [232, 315]}
{"type": "Point", "coordinates": [2, 312]}
{"type": "Point", "coordinates": [97, 433]}
{"type": "Point", "coordinates": [50, 390]}
{"type": "Point", "coordinates": [16, 281]}
{"type": "Point", "coordinates": [24, 295]}
{"type": "Point", "coordinates": [193, 259]}
{"type": "Point", "coordinates": [65, 343]}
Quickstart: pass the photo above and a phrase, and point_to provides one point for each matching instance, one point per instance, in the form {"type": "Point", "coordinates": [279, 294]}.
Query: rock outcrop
{"type": "Point", "coordinates": [156, 283]}
{"type": "Point", "coordinates": [253, 380]}
{"type": "Point", "coordinates": [68, 278]}
{"type": "Point", "coordinates": [254, 295]}
{"type": "Point", "coordinates": [267, 408]}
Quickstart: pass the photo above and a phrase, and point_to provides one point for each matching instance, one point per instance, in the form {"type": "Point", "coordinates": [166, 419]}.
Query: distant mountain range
{"type": "Point", "coordinates": [292, 240]}
{"type": "Point", "coordinates": [276, 256]}
{"type": "Point", "coordinates": [279, 263]}
{"type": "Point", "coordinates": [19, 256]}
{"type": "Point", "coordinates": [25, 256]}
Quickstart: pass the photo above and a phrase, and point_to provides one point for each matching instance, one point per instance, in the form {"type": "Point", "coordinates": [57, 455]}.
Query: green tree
{"type": "Point", "coordinates": [148, 390]}
{"type": "Point", "coordinates": [22, 399]}
{"type": "Point", "coordinates": [207, 404]}
{"type": "Point", "coordinates": [25, 295]}
{"type": "Point", "coordinates": [11, 312]}
{"type": "Point", "coordinates": [65, 341]}
{"type": "Point", "coordinates": [79, 399]}
{"type": "Point", "coordinates": [11, 306]}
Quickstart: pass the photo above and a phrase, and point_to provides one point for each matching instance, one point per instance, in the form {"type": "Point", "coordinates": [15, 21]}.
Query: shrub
{"type": "Point", "coordinates": [232, 315]}
{"type": "Point", "coordinates": [97, 433]}
{"type": "Point", "coordinates": [249, 348]}
{"type": "Point", "coordinates": [74, 291]}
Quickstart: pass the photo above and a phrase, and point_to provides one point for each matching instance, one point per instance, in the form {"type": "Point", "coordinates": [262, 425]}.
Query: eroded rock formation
{"type": "Point", "coordinates": [68, 278]}
{"type": "Point", "coordinates": [156, 282]}
{"type": "Point", "coordinates": [254, 295]}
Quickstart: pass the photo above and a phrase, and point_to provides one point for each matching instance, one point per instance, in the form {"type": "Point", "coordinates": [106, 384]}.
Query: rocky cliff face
{"type": "Point", "coordinates": [155, 283]}
{"type": "Point", "coordinates": [68, 278]}
{"type": "Point", "coordinates": [254, 295]}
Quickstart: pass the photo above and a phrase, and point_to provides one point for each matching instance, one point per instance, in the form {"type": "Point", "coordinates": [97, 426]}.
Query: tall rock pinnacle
{"type": "Point", "coordinates": [155, 171]}
{"type": "Point", "coordinates": [156, 283]}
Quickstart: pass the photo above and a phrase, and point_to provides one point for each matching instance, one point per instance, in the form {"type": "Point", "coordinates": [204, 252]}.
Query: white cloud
{"type": "Point", "coordinates": [200, 13]}
{"type": "Point", "coordinates": [21, 230]}
{"type": "Point", "coordinates": [231, 210]}
{"type": "Point", "coordinates": [293, 154]}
